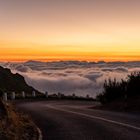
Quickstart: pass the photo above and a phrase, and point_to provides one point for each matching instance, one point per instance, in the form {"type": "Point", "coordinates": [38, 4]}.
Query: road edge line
{"type": "Point", "coordinates": [99, 118]}
{"type": "Point", "coordinates": [40, 136]}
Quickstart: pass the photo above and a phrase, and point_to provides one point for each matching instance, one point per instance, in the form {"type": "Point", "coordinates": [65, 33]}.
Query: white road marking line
{"type": "Point", "coordinates": [95, 117]}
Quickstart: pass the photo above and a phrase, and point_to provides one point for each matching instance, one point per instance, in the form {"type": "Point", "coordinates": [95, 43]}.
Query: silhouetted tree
{"type": "Point", "coordinates": [133, 82]}
{"type": "Point", "coordinates": [114, 90]}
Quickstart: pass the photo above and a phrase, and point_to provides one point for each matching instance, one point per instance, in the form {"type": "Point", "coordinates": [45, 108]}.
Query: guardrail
{"type": "Point", "coordinates": [12, 95]}
{"type": "Point", "coordinates": [34, 95]}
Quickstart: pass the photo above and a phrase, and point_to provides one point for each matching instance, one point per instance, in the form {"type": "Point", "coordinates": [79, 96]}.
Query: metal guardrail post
{"type": "Point", "coordinates": [5, 96]}
{"type": "Point", "coordinates": [33, 94]}
{"type": "Point", "coordinates": [13, 96]}
{"type": "Point", "coordinates": [23, 94]}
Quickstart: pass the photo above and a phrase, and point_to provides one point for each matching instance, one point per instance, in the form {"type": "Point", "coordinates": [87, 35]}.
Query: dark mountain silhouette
{"type": "Point", "coordinates": [13, 82]}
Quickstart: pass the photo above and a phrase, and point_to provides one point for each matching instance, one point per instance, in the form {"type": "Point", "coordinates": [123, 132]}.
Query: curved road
{"type": "Point", "coordinates": [73, 120]}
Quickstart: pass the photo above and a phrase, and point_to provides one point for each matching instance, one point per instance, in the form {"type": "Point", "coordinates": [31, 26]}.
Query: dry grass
{"type": "Point", "coordinates": [16, 126]}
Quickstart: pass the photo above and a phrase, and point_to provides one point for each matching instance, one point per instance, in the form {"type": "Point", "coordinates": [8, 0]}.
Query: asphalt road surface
{"type": "Point", "coordinates": [73, 120]}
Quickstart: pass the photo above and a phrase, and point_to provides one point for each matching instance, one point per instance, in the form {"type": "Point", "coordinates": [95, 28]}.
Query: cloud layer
{"type": "Point", "coordinates": [70, 77]}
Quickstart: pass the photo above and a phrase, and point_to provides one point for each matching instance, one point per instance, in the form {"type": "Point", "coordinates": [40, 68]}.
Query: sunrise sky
{"type": "Point", "coordinates": [50, 30]}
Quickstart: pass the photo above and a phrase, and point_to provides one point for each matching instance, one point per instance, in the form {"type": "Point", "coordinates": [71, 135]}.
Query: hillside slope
{"type": "Point", "coordinates": [14, 125]}
{"type": "Point", "coordinates": [13, 82]}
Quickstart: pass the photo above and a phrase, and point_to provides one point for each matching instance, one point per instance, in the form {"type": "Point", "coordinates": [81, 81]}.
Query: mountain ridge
{"type": "Point", "coordinates": [10, 82]}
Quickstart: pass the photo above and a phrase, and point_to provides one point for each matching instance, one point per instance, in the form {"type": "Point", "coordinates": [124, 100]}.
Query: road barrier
{"type": "Point", "coordinates": [13, 96]}
{"type": "Point", "coordinates": [23, 94]}
{"type": "Point", "coordinates": [33, 94]}
{"type": "Point", "coordinates": [5, 96]}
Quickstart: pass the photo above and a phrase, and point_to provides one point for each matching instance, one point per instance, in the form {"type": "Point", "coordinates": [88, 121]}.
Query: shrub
{"type": "Point", "coordinates": [114, 90]}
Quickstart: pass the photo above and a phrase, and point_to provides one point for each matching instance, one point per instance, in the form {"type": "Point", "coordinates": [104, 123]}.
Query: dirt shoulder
{"type": "Point", "coordinates": [15, 125]}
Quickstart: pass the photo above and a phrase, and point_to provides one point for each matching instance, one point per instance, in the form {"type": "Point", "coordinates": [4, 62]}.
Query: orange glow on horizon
{"type": "Point", "coordinates": [24, 51]}
{"type": "Point", "coordinates": [21, 51]}
{"type": "Point", "coordinates": [67, 57]}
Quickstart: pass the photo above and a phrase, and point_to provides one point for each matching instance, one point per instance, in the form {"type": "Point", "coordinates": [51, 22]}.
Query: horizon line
{"type": "Point", "coordinates": [47, 61]}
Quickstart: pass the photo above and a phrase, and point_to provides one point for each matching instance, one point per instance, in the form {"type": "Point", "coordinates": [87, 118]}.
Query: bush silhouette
{"type": "Point", "coordinates": [133, 87]}
{"type": "Point", "coordinates": [114, 90]}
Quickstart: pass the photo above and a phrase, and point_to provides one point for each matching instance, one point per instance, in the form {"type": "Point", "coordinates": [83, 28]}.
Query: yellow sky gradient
{"type": "Point", "coordinates": [57, 30]}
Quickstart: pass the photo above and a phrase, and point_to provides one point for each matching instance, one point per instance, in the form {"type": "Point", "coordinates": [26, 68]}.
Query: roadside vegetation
{"type": "Point", "coordinates": [124, 94]}
{"type": "Point", "coordinates": [14, 125]}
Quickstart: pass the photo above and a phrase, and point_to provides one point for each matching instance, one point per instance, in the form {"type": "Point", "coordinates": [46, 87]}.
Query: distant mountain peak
{"type": "Point", "coordinates": [33, 62]}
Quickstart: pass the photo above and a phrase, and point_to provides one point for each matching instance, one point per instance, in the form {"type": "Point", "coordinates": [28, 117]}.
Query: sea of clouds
{"type": "Point", "coordinates": [70, 77]}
